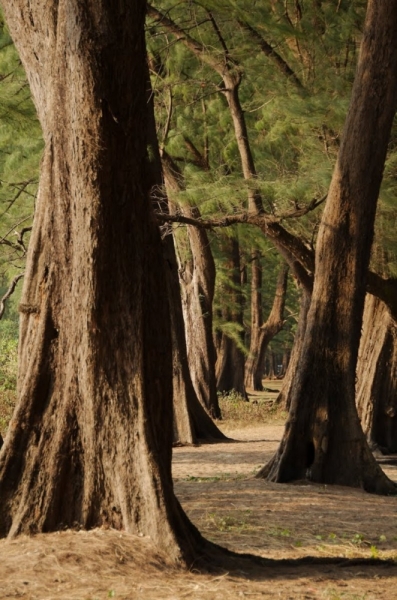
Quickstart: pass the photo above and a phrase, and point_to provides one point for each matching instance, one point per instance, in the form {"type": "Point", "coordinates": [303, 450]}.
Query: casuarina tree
{"type": "Point", "coordinates": [323, 439]}
{"type": "Point", "coordinates": [90, 440]}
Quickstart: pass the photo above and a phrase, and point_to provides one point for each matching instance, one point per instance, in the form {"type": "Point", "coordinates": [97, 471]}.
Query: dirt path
{"type": "Point", "coordinates": [215, 486]}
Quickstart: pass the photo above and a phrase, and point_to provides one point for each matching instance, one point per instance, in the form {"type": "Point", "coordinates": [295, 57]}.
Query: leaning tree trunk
{"type": "Point", "coordinates": [261, 338]}
{"type": "Point", "coordinates": [90, 441]}
{"type": "Point", "coordinates": [197, 295]}
{"type": "Point", "coordinates": [191, 421]}
{"type": "Point", "coordinates": [323, 439]}
{"type": "Point", "coordinates": [377, 377]}
{"type": "Point", "coordinates": [229, 366]}
{"type": "Point", "coordinates": [197, 277]}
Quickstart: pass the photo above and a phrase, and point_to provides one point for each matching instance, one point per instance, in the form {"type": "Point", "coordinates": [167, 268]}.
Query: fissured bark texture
{"type": "Point", "coordinates": [90, 441]}
{"type": "Point", "coordinates": [377, 377]}
{"type": "Point", "coordinates": [323, 439]}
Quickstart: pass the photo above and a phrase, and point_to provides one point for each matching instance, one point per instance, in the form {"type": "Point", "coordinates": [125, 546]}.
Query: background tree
{"type": "Point", "coordinates": [230, 326]}
{"type": "Point", "coordinates": [197, 278]}
{"type": "Point", "coordinates": [263, 332]}
{"type": "Point", "coordinates": [191, 421]}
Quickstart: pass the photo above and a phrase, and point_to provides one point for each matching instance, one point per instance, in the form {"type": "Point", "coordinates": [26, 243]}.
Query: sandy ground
{"type": "Point", "coordinates": [341, 543]}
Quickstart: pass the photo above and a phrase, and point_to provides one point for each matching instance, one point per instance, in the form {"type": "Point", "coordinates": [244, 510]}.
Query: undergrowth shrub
{"type": "Point", "coordinates": [257, 410]}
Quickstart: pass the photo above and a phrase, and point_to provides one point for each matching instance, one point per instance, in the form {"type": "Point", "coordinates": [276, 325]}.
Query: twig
{"type": "Point", "coordinates": [9, 293]}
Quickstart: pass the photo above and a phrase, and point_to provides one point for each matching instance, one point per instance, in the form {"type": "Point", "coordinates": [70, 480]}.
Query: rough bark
{"type": "Point", "coordinates": [197, 278]}
{"type": "Point", "coordinates": [229, 366]}
{"type": "Point", "coordinates": [90, 441]}
{"type": "Point", "coordinates": [191, 422]}
{"type": "Point", "coordinates": [323, 439]}
{"type": "Point", "coordinates": [284, 397]}
{"type": "Point", "coordinates": [377, 377]}
{"type": "Point", "coordinates": [260, 338]}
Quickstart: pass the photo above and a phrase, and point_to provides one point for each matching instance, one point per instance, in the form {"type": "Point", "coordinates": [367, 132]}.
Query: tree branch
{"type": "Point", "coordinates": [220, 66]}
{"type": "Point", "coordinates": [21, 190]}
{"type": "Point", "coordinates": [271, 53]}
{"type": "Point", "coordinates": [9, 293]}
{"type": "Point", "coordinates": [291, 247]}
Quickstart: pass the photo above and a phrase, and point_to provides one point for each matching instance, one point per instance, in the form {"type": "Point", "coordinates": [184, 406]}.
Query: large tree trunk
{"type": "Point", "coordinates": [323, 439]}
{"type": "Point", "coordinates": [90, 440]}
{"type": "Point", "coordinates": [377, 377]}
{"type": "Point", "coordinates": [229, 366]}
{"type": "Point", "coordinates": [197, 277]}
{"type": "Point", "coordinates": [260, 338]}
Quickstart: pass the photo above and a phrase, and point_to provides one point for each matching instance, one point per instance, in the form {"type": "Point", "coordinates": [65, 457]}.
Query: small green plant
{"type": "Point", "coordinates": [374, 552]}
{"type": "Point", "coordinates": [201, 479]}
{"type": "Point", "coordinates": [280, 532]}
{"type": "Point", "coordinates": [214, 478]}
{"type": "Point", "coordinates": [232, 396]}
{"type": "Point", "coordinates": [228, 523]}
{"type": "Point", "coordinates": [357, 539]}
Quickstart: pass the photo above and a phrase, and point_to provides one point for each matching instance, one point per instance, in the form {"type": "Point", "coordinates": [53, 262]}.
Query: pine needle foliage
{"type": "Point", "coordinates": [297, 64]}
{"type": "Point", "coordinates": [20, 151]}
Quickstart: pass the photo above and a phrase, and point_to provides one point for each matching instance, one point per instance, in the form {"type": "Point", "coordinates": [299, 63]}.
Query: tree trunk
{"type": "Point", "coordinates": [284, 397]}
{"type": "Point", "coordinates": [270, 371]}
{"type": "Point", "coordinates": [229, 366]}
{"type": "Point", "coordinates": [191, 422]}
{"type": "Point", "coordinates": [377, 377]}
{"type": "Point", "coordinates": [323, 439]}
{"type": "Point", "coordinates": [256, 320]}
{"type": "Point", "coordinates": [285, 361]}
{"type": "Point", "coordinates": [261, 338]}
{"type": "Point", "coordinates": [90, 441]}
{"type": "Point", "coordinates": [197, 278]}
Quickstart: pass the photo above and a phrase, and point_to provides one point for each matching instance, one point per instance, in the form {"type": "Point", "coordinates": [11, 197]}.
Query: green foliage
{"type": "Point", "coordinates": [8, 356]}
{"type": "Point", "coordinates": [8, 370]}
{"type": "Point", "coordinates": [294, 123]}
{"type": "Point", "coordinates": [228, 523]}
{"type": "Point", "coordinates": [20, 150]}
{"type": "Point", "coordinates": [293, 132]}
{"type": "Point", "coordinates": [259, 409]}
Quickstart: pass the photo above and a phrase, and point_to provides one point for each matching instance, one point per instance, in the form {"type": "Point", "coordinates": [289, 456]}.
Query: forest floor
{"type": "Point", "coordinates": [322, 542]}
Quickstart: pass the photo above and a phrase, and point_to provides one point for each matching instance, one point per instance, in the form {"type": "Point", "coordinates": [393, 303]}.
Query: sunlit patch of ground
{"type": "Point", "coordinates": [349, 537]}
